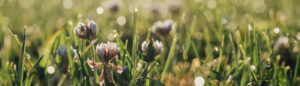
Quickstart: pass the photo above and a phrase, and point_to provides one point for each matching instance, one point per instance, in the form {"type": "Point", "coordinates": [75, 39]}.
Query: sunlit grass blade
{"type": "Point", "coordinates": [208, 44]}
{"type": "Point", "coordinates": [36, 64]}
{"type": "Point", "coordinates": [170, 55]}
{"type": "Point", "coordinates": [21, 61]}
{"type": "Point", "coordinates": [297, 65]}
{"type": "Point", "coordinates": [195, 49]}
{"type": "Point", "coordinates": [134, 37]}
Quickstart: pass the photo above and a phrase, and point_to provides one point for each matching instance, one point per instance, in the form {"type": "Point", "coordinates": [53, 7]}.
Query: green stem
{"type": "Point", "coordinates": [297, 65]}
{"type": "Point", "coordinates": [134, 36]}
{"type": "Point", "coordinates": [170, 56]}
{"type": "Point", "coordinates": [21, 61]}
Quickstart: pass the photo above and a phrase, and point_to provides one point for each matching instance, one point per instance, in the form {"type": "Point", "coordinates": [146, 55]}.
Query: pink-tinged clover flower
{"type": "Point", "coordinates": [106, 52]}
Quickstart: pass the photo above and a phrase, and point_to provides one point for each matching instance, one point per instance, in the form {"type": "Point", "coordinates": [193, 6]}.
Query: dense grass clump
{"type": "Point", "coordinates": [149, 42]}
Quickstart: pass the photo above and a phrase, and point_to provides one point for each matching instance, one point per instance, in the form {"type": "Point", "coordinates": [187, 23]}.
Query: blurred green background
{"type": "Point", "coordinates": [45, 19]}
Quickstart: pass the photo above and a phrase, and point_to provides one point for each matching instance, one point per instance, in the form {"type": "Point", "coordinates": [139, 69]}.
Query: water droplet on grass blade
{"type": "Point", "coordinates": [252, 68]}
{"type": "Point", "coordinates": [135, 9]}
{"type": "Point", "coordinates": [199, 81]}
{"type": "Point", "coordinates": [67, 4]}
{"type": "Point", "coordinates": [50, 70]}
{"type": "Point", "coordinates": [211, 4]}
{"type": "Point", "coordinates": [223, 20]}
{"type": "Point", "coordinates": [276, 30]}
{"type": "Point", "coordinates": [249, 27]}
{"type": "Point", "coordinates": [121, 20]}
{"type": "Point", "coordinates": [100, 10]}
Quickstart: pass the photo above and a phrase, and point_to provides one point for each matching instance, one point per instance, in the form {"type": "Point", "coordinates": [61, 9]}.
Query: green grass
{"type": "Point", "coordinates": [211, 39]}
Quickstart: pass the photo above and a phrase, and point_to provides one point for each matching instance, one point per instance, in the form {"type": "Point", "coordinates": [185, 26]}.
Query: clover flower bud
{"type": "Point", "coordinates": [174, 6]}
{"type": "Point", "coordinates": [86, 31]}
{"type": "Point", "coordinates": [158, 47]}
{"type": "Point", "coordinates": [151, 49]}
{"type": "Point", "coordinates": [282, 44]}
{"type": "Point", "coordinates": [163, 27]}
{"type": "Point", "coordinates": [112, 5]}
{"type": "Point", "coordinates": [62, 52]}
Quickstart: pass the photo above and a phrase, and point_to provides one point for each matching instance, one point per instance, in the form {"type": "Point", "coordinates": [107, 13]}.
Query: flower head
{"type": "Point", "coordinates": [112, 5]}
{"type": "Point", "coordinates": [163, 27]}
{"type": "Point", "coordinates": [62, 52]}
{"type": "Point", "coordinates": [151, 49]}
{"type": "Point", "coordinates": [86, 31]}
{"type": "Point", "coordinates": [106, 51]}
{"type": "Point", "coordinates": [282, 44]}
{"type": "Point", "coordinates": [174, 6]}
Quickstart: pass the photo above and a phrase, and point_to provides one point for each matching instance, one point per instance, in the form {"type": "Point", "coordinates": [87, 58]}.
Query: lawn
{"type": "Point", "coordinates": [149, 42]}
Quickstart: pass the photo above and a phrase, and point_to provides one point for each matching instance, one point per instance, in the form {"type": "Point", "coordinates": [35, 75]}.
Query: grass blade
{"type": "Point", "coordinates": [297, 65]}
{"type": "Point", "coordinates": [21, 61]}
{"type": "Point", "coordinates": [170, 55]}
{"type": "Point", "coordinates": [134, 38]}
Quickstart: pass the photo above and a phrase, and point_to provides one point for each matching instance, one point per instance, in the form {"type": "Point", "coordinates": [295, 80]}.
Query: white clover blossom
{"type": "Point", "coordinates": [112, 6]}
{"type": "Point", "coordinates": [282, 43]}
{"type": "Point", "coordinates": [62, 52]}
{"type": "Point", "coordinates": [158, 47]}
{"type": "Point", "coordinates": [93, 26]}
{"type": "Point", "coordinates": [106, 51]}
{"type": "Point", "coordinates": [163, 27]}
{"type": "Point", "coordinates": [174, 6]}
{"type": "Point", "coordinates": [144, 46]}
{"type": "Point", "coordinates": [86, 31]}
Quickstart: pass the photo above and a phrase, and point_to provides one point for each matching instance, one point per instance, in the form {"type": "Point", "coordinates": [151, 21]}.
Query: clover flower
{"type": "Point", "coordinates": [63, 53]}
{"type": "Point", "coordinates": [282, 43]}
{"type": "Point", "coordinates": [163, 27]}
{"type": "Point", "coordinates": [174, 6]}
{"type": "Point", "coordinates": [106, 51]}
{"type": "Point", "coordinates": [86, 31]}
{"type": "Point", "coordinates": [151, 49]}
{"type": "Point", "coordinates": [112, 5]}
